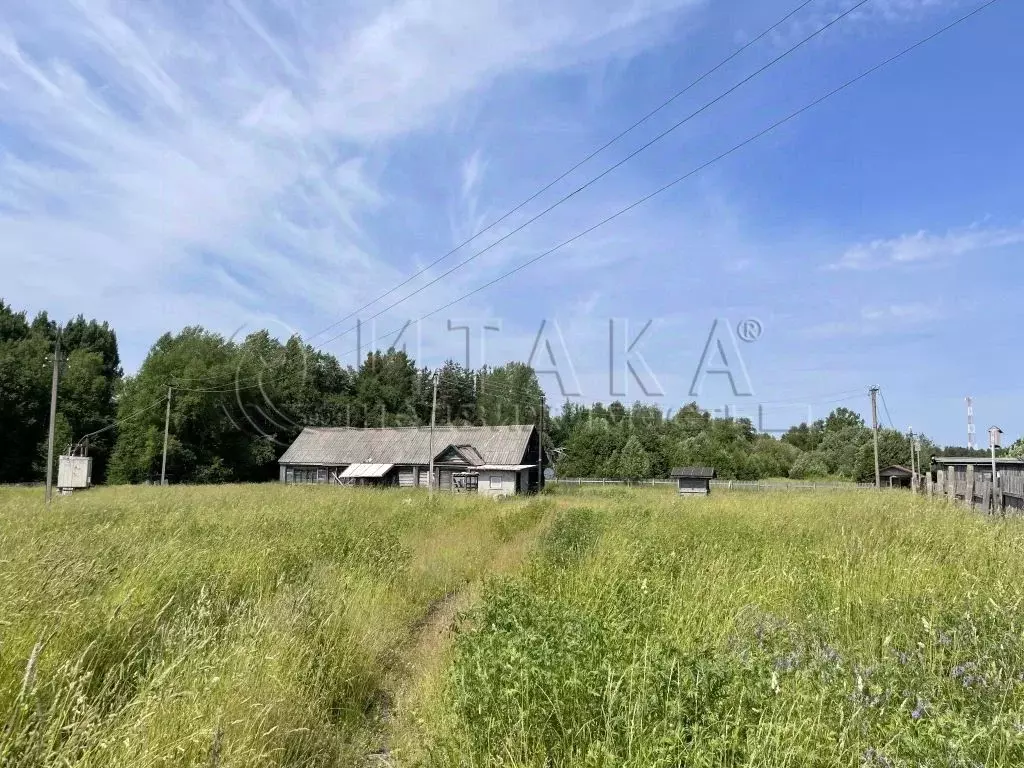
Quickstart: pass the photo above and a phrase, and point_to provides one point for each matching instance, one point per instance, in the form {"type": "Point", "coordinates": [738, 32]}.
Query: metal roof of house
{"type": "Point", "coordinates": [366, 470]}
{"type": "Point", "coordinates": [695, 473]}
{"type": "Point", "coordinates": [896, 470]}
{"type": "Point", "coordinates": [338, 446]}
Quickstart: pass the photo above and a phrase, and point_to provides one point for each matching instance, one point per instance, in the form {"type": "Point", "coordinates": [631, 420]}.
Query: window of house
{"type": "Point", "coordinates": [496, 484]}
{"type": "Point", "coordinates": [322, 475]}
{"type": "Point", "coordinates": [289, 475]}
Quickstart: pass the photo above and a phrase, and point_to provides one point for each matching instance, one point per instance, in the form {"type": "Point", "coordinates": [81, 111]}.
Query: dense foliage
{"type": "Point", "coordinates": [640, 441]}
{"type": "Point", "coordinates": [91, 375]}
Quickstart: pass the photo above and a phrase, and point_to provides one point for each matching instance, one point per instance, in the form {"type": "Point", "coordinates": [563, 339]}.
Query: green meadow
{"type": "Point", "coordinates": [306, 626]}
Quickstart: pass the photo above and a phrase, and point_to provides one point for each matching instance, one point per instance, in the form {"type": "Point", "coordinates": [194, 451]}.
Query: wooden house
{"type": "Point", "coordinates": [491, 461]}
{"type": "Point", "coordinates": [694, 480]}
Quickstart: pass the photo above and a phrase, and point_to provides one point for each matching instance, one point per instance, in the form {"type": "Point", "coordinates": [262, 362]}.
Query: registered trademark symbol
{"type": "Point", "coordinates": [749, 330]}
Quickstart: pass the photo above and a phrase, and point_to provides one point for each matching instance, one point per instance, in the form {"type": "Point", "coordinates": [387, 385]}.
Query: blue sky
{"type": "Point", "coordinates": [260, 163]}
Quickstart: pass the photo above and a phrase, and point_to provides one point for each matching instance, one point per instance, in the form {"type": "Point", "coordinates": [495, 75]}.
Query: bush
{"type": "Point", "coordinates": [809, 466]}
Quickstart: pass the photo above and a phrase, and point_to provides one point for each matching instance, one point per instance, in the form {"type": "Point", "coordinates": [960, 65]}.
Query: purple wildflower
{"type": "Point", "coordinates": [872, 757]}
{"type": "Point", "coordinates": [919, 710]}
{"type": "Point", "coordinates": [830, 655]}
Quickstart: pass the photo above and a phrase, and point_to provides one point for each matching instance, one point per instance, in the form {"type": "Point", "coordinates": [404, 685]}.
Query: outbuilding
{"type": "Point", "coordinates": [896, 476]}
{"type": "Point", "coordinates": [694, 481]}
{"type": "Point", "coordinates": [491, 461]}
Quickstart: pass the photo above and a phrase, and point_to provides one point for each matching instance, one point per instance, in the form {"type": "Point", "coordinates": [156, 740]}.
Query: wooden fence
{"type": "Point", "coordinates": [965, 485]}
{"type": "Point", "coordinates": [728, 485]}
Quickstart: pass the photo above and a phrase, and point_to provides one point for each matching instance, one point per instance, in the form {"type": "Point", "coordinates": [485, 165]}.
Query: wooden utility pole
{"type": "Point", "coordinates": [874, 429]}
{"type": "Point", "coordinates": [913, 465]}
{"type": "Point", "coordinates": [167, 430]}
{"type": "Point", "coordinates": [433, 415]}
{"type": "Point", "coordinates": [540, 446]}
{"type": "Point", "coordinates": [994, 434]}
{"type": "Point", "coordinates": [53, 419]}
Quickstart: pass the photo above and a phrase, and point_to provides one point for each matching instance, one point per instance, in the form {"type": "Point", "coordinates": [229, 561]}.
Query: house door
{"type": "Point", "coordinates": [444, 482]}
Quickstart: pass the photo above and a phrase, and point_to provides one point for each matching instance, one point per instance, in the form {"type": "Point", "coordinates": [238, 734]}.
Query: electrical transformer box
{"type": "Point", "coordinates": [74, 473]}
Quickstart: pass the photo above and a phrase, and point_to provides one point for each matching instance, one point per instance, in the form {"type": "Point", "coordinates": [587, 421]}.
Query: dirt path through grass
{"type": "Point", "coordinates": [421, 661]}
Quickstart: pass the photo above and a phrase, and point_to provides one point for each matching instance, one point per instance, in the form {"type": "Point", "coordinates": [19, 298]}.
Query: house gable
{"type": "Point", "coordinates": [461, 455]}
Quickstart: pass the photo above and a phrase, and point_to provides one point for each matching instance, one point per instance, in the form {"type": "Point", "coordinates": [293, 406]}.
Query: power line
{"type": "Point", "coordinates": [601, 175]}
{"type": "Point", "coordinates": [121, 421]}
{"type": "Point", "coordinates": [608, 170]}
{"type": "Point", "coordinates": [615, 139]}
{"type": "Point", "coordinates": [749, 140]}
{"type": "Point", "coordinates": [886, 407]}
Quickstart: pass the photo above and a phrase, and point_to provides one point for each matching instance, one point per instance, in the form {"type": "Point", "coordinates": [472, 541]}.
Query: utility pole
{"type": "Point", "coordinates": [874, 429]}
{"type": "Point", "coordinates": [540, 446]}
{"type": "Point", "coordinates": [53, 419]}
{"type": "Point", "coordinates": [994, 442]}
{"type": "Point", "coordinates": [433, 414]}
{"type": "Point", "coordinates": [167, 430]}
{"type": "Point", "coordinates": [913, 465]}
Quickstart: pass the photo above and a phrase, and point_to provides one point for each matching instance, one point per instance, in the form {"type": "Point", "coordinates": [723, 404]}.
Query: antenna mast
{"type": "Point", "coordinates": [972, 435]}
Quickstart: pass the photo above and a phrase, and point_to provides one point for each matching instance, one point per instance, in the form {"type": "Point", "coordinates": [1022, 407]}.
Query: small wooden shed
{"type": "Point", "coordinates": [896, 476]}
{"type": "Point", "coordinates": [694, 480]}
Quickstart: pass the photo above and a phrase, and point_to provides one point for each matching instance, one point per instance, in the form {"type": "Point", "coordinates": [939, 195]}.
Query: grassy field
{"type": "Point", "coordinates": [227, 626]}
{"type": "Point", "coordinates": [310, 626]}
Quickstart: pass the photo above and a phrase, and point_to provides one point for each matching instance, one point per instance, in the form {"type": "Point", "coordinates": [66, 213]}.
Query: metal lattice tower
{"type": "Point", "coordinates": [972, 434]}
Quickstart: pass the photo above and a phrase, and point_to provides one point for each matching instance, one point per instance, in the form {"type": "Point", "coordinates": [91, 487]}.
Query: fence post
{"type": "Point", "coordinates": [969, 487]}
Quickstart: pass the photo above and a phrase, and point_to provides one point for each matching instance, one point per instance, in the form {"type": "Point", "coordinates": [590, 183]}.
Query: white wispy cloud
{"type": "Point", "coordinates": [893, 319]}
{"type": "Point", "coordinates": [152, 163]}
{"type": "Point", "coordinates": [925, 246]}
{"type": "Point", "coordinates": [862, 20]}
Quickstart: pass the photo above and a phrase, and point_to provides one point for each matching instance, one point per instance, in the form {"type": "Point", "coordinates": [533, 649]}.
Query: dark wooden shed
{"type": "Point", "coordinates": [896, 476]}
{"type": "Point", "coordinates": [694, 480]}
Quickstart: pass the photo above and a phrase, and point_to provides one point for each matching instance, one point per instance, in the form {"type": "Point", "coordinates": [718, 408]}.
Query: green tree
{"type": "Point", "coordinates": [634, 462]}
{"type": "Point", "coordinates": [387, 390]}
{"type": "Point", "coordinates": [509, 394]}
{"type": "Point", "coordinates": [809, 466]}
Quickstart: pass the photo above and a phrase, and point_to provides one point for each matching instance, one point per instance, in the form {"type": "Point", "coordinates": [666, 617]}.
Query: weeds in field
{"type": "Point", "coordinates": [851, 630]}
{"type": "Point", "coordinates": [233, 626]}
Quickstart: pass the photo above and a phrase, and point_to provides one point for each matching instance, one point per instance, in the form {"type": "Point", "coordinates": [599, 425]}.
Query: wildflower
{"type": "Point", "coordinates": [873, 757]}
{"type": "Point", "coordinates": [787, 663]}
{"type": "Point", "coordinates": [830, 655]}
{"type": "Point", "coordinates": [919, 710]}
{"type": "Point", "coordinates": [944, 639]}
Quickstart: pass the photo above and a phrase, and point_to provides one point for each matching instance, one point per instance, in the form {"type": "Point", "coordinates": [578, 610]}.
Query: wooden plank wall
{"type": "Point", "coordinates": [973, 488]}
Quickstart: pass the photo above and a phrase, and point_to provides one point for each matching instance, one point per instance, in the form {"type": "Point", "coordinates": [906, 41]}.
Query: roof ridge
{"type": "Point", "coordinates": [436, 427]}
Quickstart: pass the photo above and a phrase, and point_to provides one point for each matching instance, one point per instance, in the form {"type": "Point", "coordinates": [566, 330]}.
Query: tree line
{"type": "Point", "coordinates": [236, 405]}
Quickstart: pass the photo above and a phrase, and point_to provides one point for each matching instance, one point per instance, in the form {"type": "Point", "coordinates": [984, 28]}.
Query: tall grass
{"type": "Point", "coordinates": [847, 629]}
{"type": "Point", "coordinates": [255, 626]}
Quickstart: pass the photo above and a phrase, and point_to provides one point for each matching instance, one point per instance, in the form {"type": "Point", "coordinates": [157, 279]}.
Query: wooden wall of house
{"type": "Point", "coordinates": [497, 483]}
